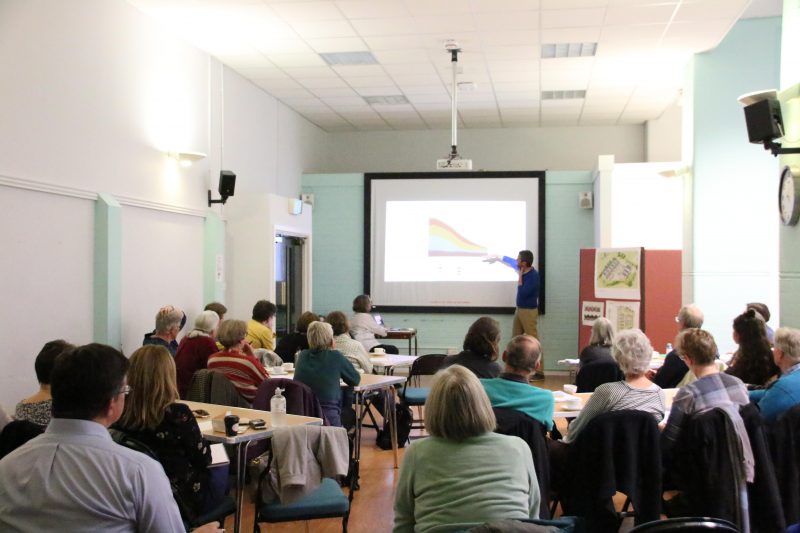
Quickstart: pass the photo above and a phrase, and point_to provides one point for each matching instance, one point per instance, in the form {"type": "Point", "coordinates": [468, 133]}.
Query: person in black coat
{"type": "Point", "coordinates": [290, 344]}
{"type": "Point", "coordinates": [481, 349]}
{"type": "Point", "coordinates": [674, 369]}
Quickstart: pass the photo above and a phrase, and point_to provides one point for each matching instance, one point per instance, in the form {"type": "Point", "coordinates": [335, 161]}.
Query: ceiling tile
{"type": "Point", "coordinates": [388, 90]}
{"type": "Point", "coordinates": [572, 18]}
{"type": "Point", "coordinates": [384, 27]}
{"type": "Point", "coordinates": [394, 43]}
{"type": "Point", "coordinates": [509, 38]}
{"type": "Point", "coordinates": [370, 81]}
{"type": "Point", "coordinates": [323, 83]}
{"type": "Point", "coordinates": [359, 71]}
{"type": "Point", "coordinates": [306, 11]}
{"type": "Point", "coordinates": [338, 44]}
{"type": "Point", "coordinates": [310, 72]}
{"type": "Point", "coordinates": [414, 56]}
{"type": "Point", "coordinates": [324, 92]}
{"type": "Point", "coordinates": [297, 60]}
{"type": "Point", "coordinates": [483, 6]}
{"type": "Point", "coordinates": [369, 9]}
{"type": "Point", "coordinates": [448, 24]}
{"type": "Point", "coordinates": [314, 29]}
{"type": "Point", "coordinates": [573, 4]}
{"type": "Point", "coordinates": [438, 7]}
{"type": "Point", "coordinates": [509, 20]}
{"type": "Point", "coordinates": [590, 34]}
{"type": "Point", "coordinates": [282, 93]}
{"type": "Point", "coordinates": [336, 101]}
{"type": "Point", "coordinates": [442, 98]}
{"type": "Point", "coordinates": [700, 10]}
{"type": "Point", "coordinates": [644, 14]}
{"type": "Point", "coordinates": [431, 90]}
{"type": "Point", "coordinates": [262, 73]}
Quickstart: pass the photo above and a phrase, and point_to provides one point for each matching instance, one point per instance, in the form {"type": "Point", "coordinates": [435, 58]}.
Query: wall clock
{"type": "Point", "coordinates": [789, 196]}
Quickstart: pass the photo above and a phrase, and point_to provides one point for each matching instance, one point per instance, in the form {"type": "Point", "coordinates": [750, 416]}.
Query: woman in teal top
{"type": "Point", "coordinates": [320, 367]}
{"type": "Point", "coordinates": [463, 474]}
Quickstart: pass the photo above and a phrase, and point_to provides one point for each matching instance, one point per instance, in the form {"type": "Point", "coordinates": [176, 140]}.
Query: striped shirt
{"type": "Point", "coordinates": [244, 371]}
{"type": "Point", "coordinates": [353, 351]}
{"type": "Point", "coordinates": [618, 396]}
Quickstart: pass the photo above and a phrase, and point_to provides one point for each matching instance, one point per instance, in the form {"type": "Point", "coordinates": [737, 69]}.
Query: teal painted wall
{"type": "Point", "coordinates": [107, 270]}
{"type": "Point", "coordinates": [339, 250]}
{"type": "Point", "coordinates": [735, 230]}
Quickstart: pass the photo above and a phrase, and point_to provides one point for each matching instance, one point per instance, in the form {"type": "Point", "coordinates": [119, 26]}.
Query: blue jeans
{"type": "Point", "coordinates": [332, 409]}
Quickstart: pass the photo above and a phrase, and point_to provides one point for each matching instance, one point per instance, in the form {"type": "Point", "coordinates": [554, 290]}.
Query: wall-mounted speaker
{"type": "Point", "coordinates": [585, 200]}
{"type": "Point", "coordinates": [764, 121]}
{"type": "Point", "coordinates": [227, 184]}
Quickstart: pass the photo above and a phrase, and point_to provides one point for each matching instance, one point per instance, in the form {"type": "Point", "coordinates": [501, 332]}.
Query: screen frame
{"type": "Point", "coordinates": [540, 252]}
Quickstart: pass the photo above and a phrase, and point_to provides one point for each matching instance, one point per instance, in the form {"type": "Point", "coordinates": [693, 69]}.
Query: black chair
{"type": "Point", "coordinates": [518, 424]}
{"type": "Point", "coordinates": [686, 525]}
{"type": "Point", "coordinates": [424, 365]}
{"type": "Point", "coordinates": [16, 433]}
{"type": "Point", "coordinates": [785, 451]}
{"type": "Point", "coordinates": [594, 374]}
{"type": "Point", "coordinates": [766, 511]}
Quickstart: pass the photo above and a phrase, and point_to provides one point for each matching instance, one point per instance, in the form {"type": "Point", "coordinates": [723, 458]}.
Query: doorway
{"type": "Point", "coordinates": [289, 252]}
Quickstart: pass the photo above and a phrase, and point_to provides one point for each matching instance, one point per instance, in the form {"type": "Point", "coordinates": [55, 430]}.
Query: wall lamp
{"type": "Point", "coordinates": [185, 159]}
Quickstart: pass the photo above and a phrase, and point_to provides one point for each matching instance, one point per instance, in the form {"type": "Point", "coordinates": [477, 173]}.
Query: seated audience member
{"type": "Point", "coordinates": [195, 349]}
{"type": "Point", "coordinates": [752, 362]}
{"type": "Point", "coordinates": [674, 369]}
{"type": "Point", "coordinates": [74, 477]}
{"type": "Point", "coordinates": [152, 416]}
{"type": "Point", "coordinates": [784, 393]}
{"type": "Point", "coordinates": [712, 389]}
{"type": "Point", "coordinates": [38, 407]}
{"type": "Point", "coordinates": [762, 312]}
{"type": "Point", "coordinates": [481, 349]}
{"type": "Point", "coordinates": [320, 367]}
{"type": "Point", "coordinates": [511, 390]}
{"type": "Point", "coordinates": [464, 474]}
{"type": "Point", "coordinates": [261, 327]}
{"type": "Point", "coordinates": [364, 328]}
{"type": "Point", "coordinates": [352, 349]}
{"type": "Point", "coordinates": [290, 344]}
{"type": "Point", "coordinates": [632, 350]}
{"type": "Point", "coordinates": [600, 342]}
{"type": "Point", "coordinates": [169, 321]}
{"type": "Point", "coordinates": [237, 361]}
{"type": "Point", "coordinates": [217, 308]}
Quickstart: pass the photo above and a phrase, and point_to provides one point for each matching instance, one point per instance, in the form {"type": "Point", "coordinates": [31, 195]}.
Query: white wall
{"type": "Point", "coordinates": [563, 148]}
{"type": "Point", "coordinates": [663, 136]}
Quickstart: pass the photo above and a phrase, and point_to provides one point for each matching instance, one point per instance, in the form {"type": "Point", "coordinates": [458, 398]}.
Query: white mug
{"type": "Point", "coordinates": [288, 367]}
{"type": "Point", "coordinates": [379, 351]}
{"type": "Point", "coordinates": [570, 389]}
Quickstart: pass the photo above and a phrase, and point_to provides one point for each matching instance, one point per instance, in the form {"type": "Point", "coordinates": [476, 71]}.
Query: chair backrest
{"type": "Point", "coordinates": [594, 374]}
{"type": "Point", "coordinates": [518, 424]}
{"type": "Point", "coordinates": [425, 365]}
{"type": "Point", "coordinates": [785, 451]}
{"type": "Point", "coordinates": [764, 497]}
{"type": "Point", "coordinates": [16, 433]}
{"type": "Point", "coordinates": [200, 387]}
{"type": "Point", "coordinates": [687, 525]}
{"type": "Point", "coordinates": [617, 451]}
{"type": "Point", "coordinates": [223, 392]}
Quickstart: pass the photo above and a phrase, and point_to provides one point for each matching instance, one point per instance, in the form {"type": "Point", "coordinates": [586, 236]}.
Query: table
{"type": "Point", "coordinates": [561, 410]}
{"type": "Point", "coordinates": [370, 382]}
{"type": "Point", "coordinates": [243, 440]}
{"type": "Point", "coordinates": [389, 362]}
{"type": "Point", "coordinates": [404, 333]}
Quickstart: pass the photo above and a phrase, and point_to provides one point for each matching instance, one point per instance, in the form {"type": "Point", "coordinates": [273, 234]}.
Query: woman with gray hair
{"type": "Point", "coordinates": [785, 392]}
{"type": "Point", "coordinates": [633, 351]}
{"type": "Point", "coordinates": [195, 349]}
{"type": "Point", "coordinates": [599, 348]}
{"type": "Point", "coordinates": [321, 366]}
{"type": "Point", "coordinates": [464, 474]}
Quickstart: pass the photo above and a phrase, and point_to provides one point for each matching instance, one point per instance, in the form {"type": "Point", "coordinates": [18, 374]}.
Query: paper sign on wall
{"type": "Point", "coordinates": [623, 315]}
{"type": "Point", "coordinates": [591, 311]}
{"type": "Point", "coordinates": [219, 273]}
{"type": "Point", "coordinates": [617, 273]}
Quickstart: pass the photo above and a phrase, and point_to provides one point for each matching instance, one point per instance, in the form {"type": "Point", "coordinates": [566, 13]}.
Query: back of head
{"type": "Point", "coordinates": [151, 377]}
{"type": "Point", "coordinates": [338, 322]}
{"type": "Point", "coordinates": [206, 322]}
{"type": "Point", "coordinates": [361, 304]}
{"type": "Point", "coordinates": [691, 316]}
{"type": "Point", "coordinates": [697, 345]}
{"type": "Point", "coordinates": [761, 309]}
{"type": "Point", "coordinates": [523, 353]}
{"type": "Point", "coordinates": [85, 379]}
{"type": "Point", "coordinates": [482, 338]}
{"type": "Point", "coordinates": [457, 407]}
{"type": "Point", "coordinates": [320, 335]}
{"type": "Point", "coordinates": [264, 310]}
{"type": "Point", "coordinates": [304, 320]}
{"type": "Point", "coordinates": [788, 341]}
{"type": "Point", "coordinates": [168, 317]}
{"type": "Point", "coordinates": [632, 351]}
{"type": "Point", "coordinates": [47, 359]}
{"type": "Point", "coordinates": [231, 332]}
{"type": "Point", "coordinates": [750, 328]}
{"type": "Point", "coordinates": [602, 332]}
{"type": "Point", "coordinates": [217, 308]}
{"type": "Point", "coordinates": [526, 256]}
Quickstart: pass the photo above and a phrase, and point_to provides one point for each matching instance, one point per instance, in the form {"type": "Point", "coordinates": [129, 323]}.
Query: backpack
{"type": "Point", "coordinates": [404, 418]}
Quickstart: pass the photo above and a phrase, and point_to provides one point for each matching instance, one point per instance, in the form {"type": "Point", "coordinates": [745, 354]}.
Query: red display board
{"type": "Point", "coordinates": [660, 295]}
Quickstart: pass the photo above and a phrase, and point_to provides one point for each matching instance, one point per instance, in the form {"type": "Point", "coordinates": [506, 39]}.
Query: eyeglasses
{"type": "Point", "coordinates": [126, 389]}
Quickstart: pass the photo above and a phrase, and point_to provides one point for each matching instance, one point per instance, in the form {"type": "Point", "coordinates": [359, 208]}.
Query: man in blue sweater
{"type": "Point", "coordinates": [512, 391]}
{"type": "Point", "coordinates": [784, 393]}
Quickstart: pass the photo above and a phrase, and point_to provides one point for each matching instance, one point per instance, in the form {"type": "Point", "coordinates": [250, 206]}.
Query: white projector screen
{"type": "Point", "coordinates": [432, 236]}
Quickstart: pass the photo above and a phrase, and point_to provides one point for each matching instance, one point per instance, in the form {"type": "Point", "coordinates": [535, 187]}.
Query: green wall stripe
{"type": "Point", "coordinates": [107, 270]}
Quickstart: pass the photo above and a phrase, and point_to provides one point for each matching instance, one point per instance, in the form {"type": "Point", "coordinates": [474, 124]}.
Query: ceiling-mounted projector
{"type": "Point", "coordinates": [454, 164]}
{"type": "Point", "coordinates": [453, 160]}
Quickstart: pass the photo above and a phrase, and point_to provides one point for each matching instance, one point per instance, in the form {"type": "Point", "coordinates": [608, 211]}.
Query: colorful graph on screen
{"type": "Point", "coordinates": [444, 241]}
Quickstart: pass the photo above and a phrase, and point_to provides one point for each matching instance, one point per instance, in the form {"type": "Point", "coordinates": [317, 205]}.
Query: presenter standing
{"type": "Point", "coordinates": [527, 313]}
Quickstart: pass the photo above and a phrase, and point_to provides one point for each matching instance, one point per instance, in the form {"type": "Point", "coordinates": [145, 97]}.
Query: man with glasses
{"type": "Point", "coordinates": [74, 477]}
{"type": "Point", "coordinates": [674, 369]}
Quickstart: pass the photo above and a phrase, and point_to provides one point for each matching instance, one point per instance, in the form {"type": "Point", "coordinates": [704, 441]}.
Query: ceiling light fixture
{"type": "Point", "coordinates": [389, 99]}
{"type": "Point", "coordinates": [185, 159]}
{"type": "Point", "coordinates": [348, 58]}
{"type": "Point", "coordinates": [563, 95]}
{"type": "Point", "coordinates": [559, 50]}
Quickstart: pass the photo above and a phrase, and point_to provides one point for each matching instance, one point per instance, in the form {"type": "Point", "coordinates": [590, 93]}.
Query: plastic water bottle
{"type": "Point", "coordinates": [669, 348]}
{"type": "Point", "coordinates": [277, 406]}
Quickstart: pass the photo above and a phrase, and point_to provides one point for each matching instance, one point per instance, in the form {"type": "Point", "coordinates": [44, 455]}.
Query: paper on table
{"type": "Point", "coordinates": [561, 396]}
{"type": "Point", "coordinates": [205, 425]}
{"type": "Point", "coordinates": [218, 454]}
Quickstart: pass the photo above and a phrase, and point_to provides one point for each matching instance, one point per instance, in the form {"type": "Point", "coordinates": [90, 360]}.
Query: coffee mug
{"type": "Point", "coordinates": [288, 366]}
{"type": "Point", "coordinates": [380, 351]}
{"type": "Point", "coordinates": [570, 389]}
{"type": "Point", "coordinates": [231, 425]}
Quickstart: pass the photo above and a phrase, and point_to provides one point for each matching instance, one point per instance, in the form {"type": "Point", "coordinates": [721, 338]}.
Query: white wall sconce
{"type": "Point", "coordinates": [185, 159]}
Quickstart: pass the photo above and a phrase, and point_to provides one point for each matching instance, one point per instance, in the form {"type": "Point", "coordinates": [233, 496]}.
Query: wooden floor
{"type": "Point", "coordinates": [372, 510]}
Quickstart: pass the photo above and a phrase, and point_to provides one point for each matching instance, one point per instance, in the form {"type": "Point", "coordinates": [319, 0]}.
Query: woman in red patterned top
{"type": "Point", "coordinates": [195, 349]}
{"type": "Point", "coordinates": [237, 361]}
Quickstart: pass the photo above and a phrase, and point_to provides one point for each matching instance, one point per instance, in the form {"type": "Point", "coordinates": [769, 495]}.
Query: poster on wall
{"type": "Point", "coordinates": [617, 273]}
{"type": "Point", "coordinates": [624, 315]}
{"type": "Point", "coordinates": [591, 311]}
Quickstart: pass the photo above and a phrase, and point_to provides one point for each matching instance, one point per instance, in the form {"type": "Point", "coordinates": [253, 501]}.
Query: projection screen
{"type": "Point", "coordinates": [433, 239]}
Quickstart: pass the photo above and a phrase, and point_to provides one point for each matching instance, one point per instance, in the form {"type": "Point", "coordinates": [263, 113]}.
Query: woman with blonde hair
{"type": "Point", "coordinates": [463, 474]}
{"type": "Point", "coordinates": [152, 416]}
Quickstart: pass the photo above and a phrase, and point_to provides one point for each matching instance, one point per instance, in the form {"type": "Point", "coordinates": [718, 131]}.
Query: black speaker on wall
{"type": "Point", "coordinates": [764, 121]}
{"type": "Point", "coordinates": [227, 184]}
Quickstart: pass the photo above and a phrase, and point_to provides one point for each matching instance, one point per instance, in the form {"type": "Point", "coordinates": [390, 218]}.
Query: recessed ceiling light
{"type": "Point", "coordinates": [556, 50]}
{"type": "Point", "coordinates": [349, 58]}
{"type": "Point", "coordinates": [563, 95]}
{"type": "Point", "coordinates": [392, 99]}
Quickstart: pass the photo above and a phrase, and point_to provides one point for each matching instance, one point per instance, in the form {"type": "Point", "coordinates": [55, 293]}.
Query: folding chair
{"type": "Point", "coordinates": [424, 365]}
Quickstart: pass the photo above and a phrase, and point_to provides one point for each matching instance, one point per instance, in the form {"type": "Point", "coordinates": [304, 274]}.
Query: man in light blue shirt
{"type": "Point", "coordinates": [785, 392]}
{"type": "Point", "coordinates": [74, 477]}
{"type": "Point", "coordinates": [512, 391]}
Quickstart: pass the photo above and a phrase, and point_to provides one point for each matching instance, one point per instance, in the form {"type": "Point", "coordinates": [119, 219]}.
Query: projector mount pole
{"type": "Point", "coordinates": [452, 47]}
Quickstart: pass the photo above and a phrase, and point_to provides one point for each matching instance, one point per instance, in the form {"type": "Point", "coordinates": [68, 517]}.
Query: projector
{"type": "Point", "coordinates": [454, 164]}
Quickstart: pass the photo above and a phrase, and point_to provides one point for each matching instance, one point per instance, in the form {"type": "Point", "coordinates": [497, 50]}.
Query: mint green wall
{"type": "Point", "coordinates": [107, 270]}
{"type": "Point", "coordinates": [735, 239]}
{"type": "Point", "coordinates": [213, 246]}
{"type": "Point", "coordinates": [339, 250]}
{"type": "Point", "coordinates": [790, 103]}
